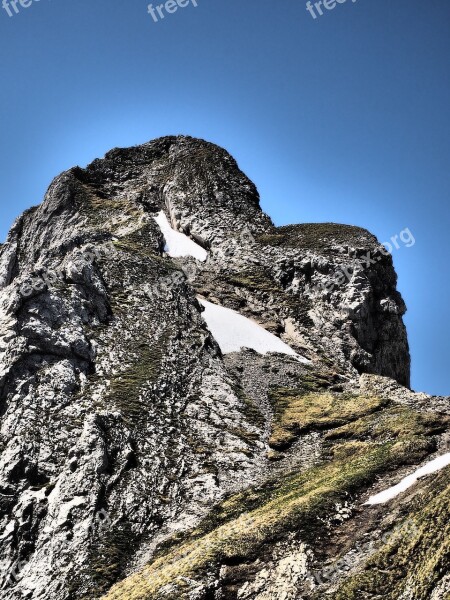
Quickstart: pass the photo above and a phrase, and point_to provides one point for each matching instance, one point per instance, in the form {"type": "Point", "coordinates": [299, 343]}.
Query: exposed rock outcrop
{"type": "Point", "coordinates": [137, 460]}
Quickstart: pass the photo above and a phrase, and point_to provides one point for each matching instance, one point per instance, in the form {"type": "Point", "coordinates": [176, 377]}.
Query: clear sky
{"type": "Point", "coordinates": [342, 118]}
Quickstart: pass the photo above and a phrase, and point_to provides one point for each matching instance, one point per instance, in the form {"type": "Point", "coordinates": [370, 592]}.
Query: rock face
{"type": "Point", "coordinates": [138, 461]}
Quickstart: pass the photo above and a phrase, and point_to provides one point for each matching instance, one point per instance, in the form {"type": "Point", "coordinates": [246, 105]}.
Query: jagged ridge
{"type": "Point", "coordinates": [117, 401]}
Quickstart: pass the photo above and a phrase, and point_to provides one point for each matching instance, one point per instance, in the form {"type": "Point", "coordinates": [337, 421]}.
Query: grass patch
{"type": "Point", "coordinates": [296, 503]}
{"type": "Point", "coordinates": [416, 559]}
{"type": "Point", "coordinates": [250, 409]}
{"type": "Point", "coordinates": [318, 236]}
{"type": "Point", "coordinates": [141, 242]}
{"type": "Point", "coordinates": [100, 210]}
{"type": "Point", "coordinates": [126, 388]}
{"type": "Point", "coordinates": [110, 555]}
{"type": "Point", "coordinates": [296, 412]}
{"type": "Point", "coordinates": [255, 278]}
{"type": "Point", "coordinates": [391, 423]}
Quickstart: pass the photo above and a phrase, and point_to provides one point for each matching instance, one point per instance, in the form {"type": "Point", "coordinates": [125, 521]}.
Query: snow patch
{"type": "Point", "coordinates": [178, 244]}
{"type": "Point", "coordinates": [233, 332]}
{"type": "Point", "coordinates": [431, 467]}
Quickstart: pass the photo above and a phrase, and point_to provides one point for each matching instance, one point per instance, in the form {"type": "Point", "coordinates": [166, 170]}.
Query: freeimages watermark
{"type": "Point", "coordinates": [10, 6]}
{"type": "Point", "coordinates": [51, 276]}
{"type": "Point", "coordinates": [190, 270]}
{"type": "Point", "coordinates": [386, 249]}
{"type": "Point", "coordinates": [327, 4]}
{"type": "Point", "coordinates": [409, 529]}
{"type": "Point", "coordinates": [10, 574]}
{"type": "Point", "coordinates": [170, 7]}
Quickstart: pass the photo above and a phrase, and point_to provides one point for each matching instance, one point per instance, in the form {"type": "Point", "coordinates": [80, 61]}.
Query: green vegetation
{"type": "Point", "coordinates": [250, 408]}
{"type": "Point", "coordinates": [415, 560]}
{"type": "Point", "coordinates": [140, 242]}
{"type": "Point", "coordinates": [255, 278]}
{"type": "Point", "coordinates": [297, 411]}
{"type": "Point", "coordinates": [110, 555]}
{"type": "Point", "coordinates": [99, 211]}
{"type": "Point", "coordinates": [126, 388]}
{"type": "Point", "coordinates": [258, 279]}
{"type": "Point", "coordinates": [296, 503]}
{"type": "Point", "coordinates": [239, 528]}
{"type": "Point", "coordinates": [318, 236]}
{"type": "Point", "coordinates": [391, 423]}
{"type": "Point", "coordinates": [252, 412]}
{"type": "Point", "coordinates": [313, 381]}
{"type": "Point", "coordinates": [122, 206]}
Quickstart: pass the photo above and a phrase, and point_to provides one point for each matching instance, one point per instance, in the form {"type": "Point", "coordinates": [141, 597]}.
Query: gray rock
{"type": "Point", "coordinates": [115, 398]}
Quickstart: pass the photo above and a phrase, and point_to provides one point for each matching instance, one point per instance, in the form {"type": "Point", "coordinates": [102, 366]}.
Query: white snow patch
{"type": "Point", "coordinates": [232, 332]}
{"type": "Point", "coordinates": [178, 244]}
{"type": "Point", "coordinates": [431, 467]}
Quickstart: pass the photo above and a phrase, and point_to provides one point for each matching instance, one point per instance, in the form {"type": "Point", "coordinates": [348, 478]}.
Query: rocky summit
{"type": "Point", "coordinates": [195, 405]}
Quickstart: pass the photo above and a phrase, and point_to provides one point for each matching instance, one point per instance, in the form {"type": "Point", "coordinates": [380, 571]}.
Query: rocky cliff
{"type": "Point", "coordinates": [142, 458]}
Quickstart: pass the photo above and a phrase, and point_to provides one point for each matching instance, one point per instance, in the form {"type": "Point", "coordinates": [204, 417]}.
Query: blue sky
{"type": "Point", "coordinates": [344, 118]}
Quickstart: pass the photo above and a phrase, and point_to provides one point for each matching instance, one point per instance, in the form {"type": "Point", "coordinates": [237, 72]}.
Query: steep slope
{"type": "Point", "coordinates": [143, 458]}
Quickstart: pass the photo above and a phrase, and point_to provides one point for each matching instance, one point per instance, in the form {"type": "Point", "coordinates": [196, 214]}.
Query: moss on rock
{"type": "Point", "coordinates": [318, 236]}
{"type": "Point", "coordinates": [297, 412]}
{"type": "Point", "coordinates": [391, 423]}
{"type": "Point", "coordinates": [246, 523]}
{"type": "Point", "coordinates": [414, 562]}
{"type": "Point", "coordinates": [127, 387]}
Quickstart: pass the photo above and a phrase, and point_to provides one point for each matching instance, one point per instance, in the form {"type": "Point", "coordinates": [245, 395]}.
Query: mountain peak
{"type": "Point", "coordinates": [165, 347]}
